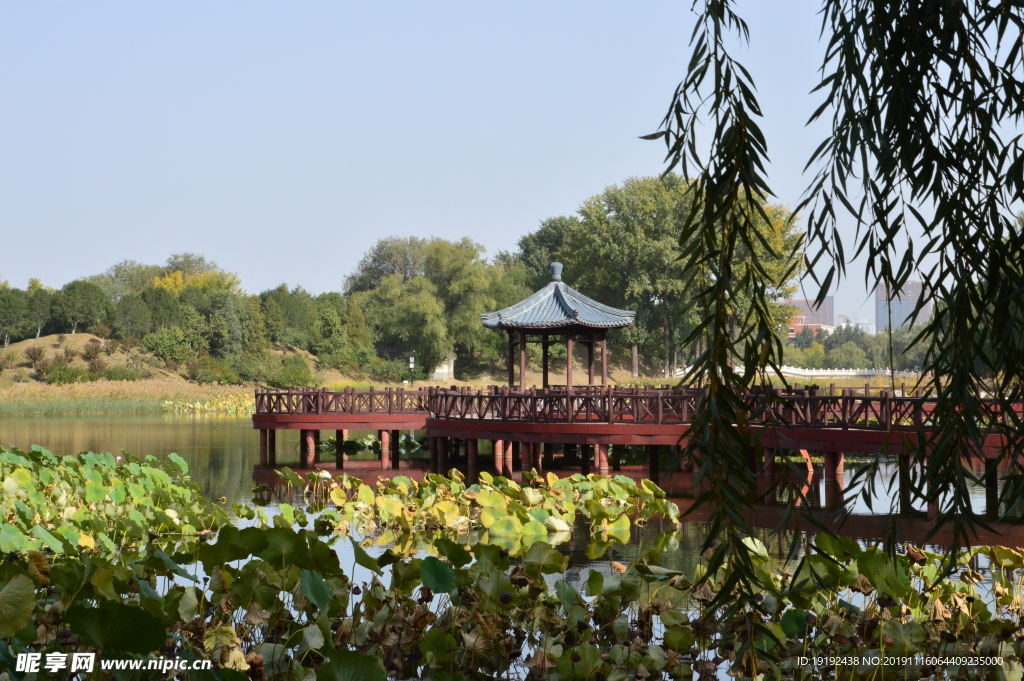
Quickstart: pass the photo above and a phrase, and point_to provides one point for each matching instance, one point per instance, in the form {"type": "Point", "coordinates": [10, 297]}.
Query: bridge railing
{"type": "Point", "coordinates": [348, 401]}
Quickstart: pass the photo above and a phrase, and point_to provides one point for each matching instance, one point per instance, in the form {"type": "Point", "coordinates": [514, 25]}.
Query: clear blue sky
{"type": "Point", "coordinates": [283, 139]}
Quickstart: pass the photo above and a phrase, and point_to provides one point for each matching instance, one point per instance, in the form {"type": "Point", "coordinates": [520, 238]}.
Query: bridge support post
{"type": "Point", "coordinates": [316, 446]}
{"type": "Point", "coordinates": [616, 463]}
{"type": "Point", "coordinates": [834, 466]}
{"type": "Point", "coordinates": [471, 460]}
{"type": "Point", "coordinates": [263, 447]}
{"type": "Point", "coordinates": [991, 490]}
{"type": "Point", "coordinates": [526, 455]}
{"type": "Point", "coordinates": [652, 463]}
{"type": "Point", "coordinates": [396, 448]}
{"type": "Point", "coordinates": [507, 455]}
{"type": "Point", "coordinates": [586, 454]}
{"type": "Point", "coordinates": [309, 449]}
{"type": "Point", "coordinates": [769, 463]}
{"type": "Point", "coordinates": [903, 477]}
{"type": "Point", "coordinates": [384, 437]}
{"type": "Point", "coordinates": [442, 455]}
{"type": "Point", "coordinates": [549, 455]}
{"type": "Point", "coordinates": [517, 457]}
{"type": "Point", "coordinates": [340, 457]}
{"type": "Point", "coordinates": [601, 455]}
{"type": "Point", "coordinates": [498, 453]}
{"type": "Point", "coordinates": [272, 447]}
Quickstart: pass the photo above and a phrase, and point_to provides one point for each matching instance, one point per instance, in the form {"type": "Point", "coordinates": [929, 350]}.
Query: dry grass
{"type": "Point", "coordinates": [110, 397]}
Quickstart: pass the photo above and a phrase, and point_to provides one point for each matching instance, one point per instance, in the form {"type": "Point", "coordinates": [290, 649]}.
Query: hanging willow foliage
{"type": "Point", "coordinates": [923, 155]}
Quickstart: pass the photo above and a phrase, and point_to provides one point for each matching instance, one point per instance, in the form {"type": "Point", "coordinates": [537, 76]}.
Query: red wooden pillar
{"type": "Point", "coordinates": [544, 360]}
{"type": "Point", "coordinates": [340, 457]}
{"type": "Point", "coordinates": [309, 455]}
{"type": "Point", "coordinates": [498, 452]}
{"type": "Point", "coordinates": [517, 457]}
{"type": "Point", "coordinates": [526, 455]}
{"type": "Point", "coordinates": [396, 448]}
{"type": "Point", "coordinates": [586, 452]}
{"type": "Point", "coordinates": [834, 466]}
{"type": "Point", "coordinates": [604, 361]}
{"type": "Point", "coordinates": [549, 455]}
{"type": "Point", "coordinates": [272, 447]}
{"type": "Point", "coordinates": [471, 460]}
{"type": "Point", "coordinates": [263, 447]}
{"type": "Point", "coordinates": [653, 468]}
{"type": "Point", "coordinates": [522, 359]}
{"type": "Point", "coordinates": [769, 462]}
{"type": "Point", "coordinates": [508, 456]}
{"type": "Point", "coordinates": [511, 360]}
{"type": "Point", "coordinates": [568, 361]}
{"type": "Point", "coordinates": [316, 446]}
{"type": "Point", "coordinates": [442, 455]}
{"type": "Point", "coordinates": [384, 437]}
{"type": "Point", "coordinates": [590, 362]}
{"type": "Point", "coordinates": [601, 454]}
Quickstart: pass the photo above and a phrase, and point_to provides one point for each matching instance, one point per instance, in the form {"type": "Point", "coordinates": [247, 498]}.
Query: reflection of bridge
{"type": "Point", "coordinates": [521, 425]}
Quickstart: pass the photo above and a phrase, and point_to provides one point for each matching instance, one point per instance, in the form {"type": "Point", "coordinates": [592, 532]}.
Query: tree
{"type": "Point", "coordinates": [13, 313]}
{"type": "Point", "coordinates": [537, 250]}
{"type": "Point", "coordinates": [411, 316]}
{"type": "Point", "coordinates": [359, 336]}
{"type": "Point", "coordinates": [132, 316]}
{"type": "Point", "coordinates": [273, 318]}
{"type": "Point", "coordinates": [920, 96]}
{"type": "Point", "coordinates": [80, 303]}
{"type": "Point", "coordinates": [254, 326]}
{"type": "Point", "coordinates": [40, 301]}
{"type": "Point", "coordinates": [403, 256]}
{"type": "Point", "coordinates": [847, 356]}
{"type": "Point", "coordinates": [126, 277]}
{"type": "Point", "coordinates": [461, 279]}
{"type": "Point", "coordinates": [805, 338]}
{"type": "Point", "coordinates": [164, 308]}
{"type": "Point", "coordinates": [225, 333]}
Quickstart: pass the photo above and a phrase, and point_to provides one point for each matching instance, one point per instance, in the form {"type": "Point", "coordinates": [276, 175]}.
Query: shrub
{"type": "Point", "coordinates": [254, 368]}
{"type": "Point", "coordinates": [34, 355]}
{"type": "Point", "coordinates": [70, 354]}
{"type": "Point", "coordinates": [128, 342]}
{"type": "Point", "coordinates": [92, 350]}
{"type": "Point", "coordinates": [60, 340]}
{"type": "Point", "coordinates": [168, 344]}
{"type": "Point", "coordinates": [97, 366]}
{"type": "Point", "coordinates": [391, 371]}
{"type": "Point", "coordinates": [292, 373]}
{"type": "Point", "coordinates": [102, 330]}
{"type": "Point", "coordinates": [111, 346]}
{"type": "Point", "coordinates": [8, 359]}
{"type": "Point", "coordinates": [211, 370]}
{"type": "Point", "coordinates": [123, 373]}
{"type": "Point", "coordinates": [60, 372]}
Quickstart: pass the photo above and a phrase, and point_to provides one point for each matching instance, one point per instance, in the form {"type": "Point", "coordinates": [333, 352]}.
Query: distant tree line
{"type": "Point", "coordinates": [407, 296]}
{"type": "Point", "coordinates": [850, 347]}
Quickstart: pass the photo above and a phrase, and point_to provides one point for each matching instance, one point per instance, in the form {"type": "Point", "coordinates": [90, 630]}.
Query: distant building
{"type": "Point", "coordinates": [823, 314]}
{"type": "Point", "coordinates": [842, 320]}
{"type": "Point", "coordinates": [799, 323]}
{"type": "Point", "coordinates": [867, 327]}
{"type": "Point", "coordinates": [901, 308]}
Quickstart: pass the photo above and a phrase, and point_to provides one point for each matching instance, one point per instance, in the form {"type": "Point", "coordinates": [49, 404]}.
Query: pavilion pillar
{"type": "Point", "coordinates": [590, 362]}
{"type": "Point", "coordinates": [544, 360]}
{"type": "Point", "coordinates": [522, 359]}
{"type": "Point", "coordinates": [568, 361]}
{"type": "Point", "coordinates": [604, 361]}
{"type": "Point", "coordinates": [263, 447]}
{"type": "Point", "coordinates": [511, 360]}
{"type": "Point", "coordinates": [384, 437]}
{"type": "Point", "coordinates": [272, 447]}
{"type": "Point", "coordinates": [340, 457]}
{"type": "Point", "coordinates": [396, 448]}
{"type": "Point", "coordinates": [498, 452]}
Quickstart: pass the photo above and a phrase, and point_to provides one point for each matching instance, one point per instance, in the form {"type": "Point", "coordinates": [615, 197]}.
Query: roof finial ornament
{"type": "Point", "coordinates": [556, 271]}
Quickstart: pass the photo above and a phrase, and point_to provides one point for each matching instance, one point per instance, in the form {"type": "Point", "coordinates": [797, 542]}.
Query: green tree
{"type": "Point", "coordinates": [126, 277]}
{"type": "Point", "coordinates": [164, 308]}
{"type": "Point", "coordinates": [461, 281]}
{"type": "Point", "coordinates": [40, 302]}
{"type": "Point", "coordinates": [80, 303]}
{"type": "Point", "coordinates": [14, 317]}
{"type": "Point", "coordinates": [169, 344]}
{"type": "Point", "coordinates": [403, 256]}
{"type": "Point", "coordinates": [411, 316]}
{"type": "Point", "coordinates": [359, 335]}
{"type": "Point", "coordinates": [273, 318]}
{"type": "Point", "coordinates": [805, 338]}
{"type": "Point", "coordinates": [537, 250]}
{"type": "Point", "coordinates": [849, 355]}
{"type": "Point", "coordinates": [225, 327]}
{"type": "Point", "coordinates": [254, 328]}
{"type": "Point", "coordinates": [132, 316]}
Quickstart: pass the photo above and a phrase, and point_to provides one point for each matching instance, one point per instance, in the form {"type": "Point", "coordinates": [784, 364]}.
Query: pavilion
{"type": "Point", "coordinates": [558, 313]}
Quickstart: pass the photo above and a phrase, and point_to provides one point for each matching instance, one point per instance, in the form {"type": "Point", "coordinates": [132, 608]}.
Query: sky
{"type": "Point", "coordinates": [283, 139]}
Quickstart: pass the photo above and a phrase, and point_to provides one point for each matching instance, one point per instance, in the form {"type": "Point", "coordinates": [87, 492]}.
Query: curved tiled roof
{"type": "Point", "coordinates": [555, 305]}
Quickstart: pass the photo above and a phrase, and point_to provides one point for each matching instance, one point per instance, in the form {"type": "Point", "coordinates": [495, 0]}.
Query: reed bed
{"type": "Point", "coordinates": [116, 397]}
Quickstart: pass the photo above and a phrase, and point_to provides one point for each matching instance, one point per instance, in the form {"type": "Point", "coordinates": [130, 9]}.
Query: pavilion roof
{"type": "Point", "coordinates": [558, 305]}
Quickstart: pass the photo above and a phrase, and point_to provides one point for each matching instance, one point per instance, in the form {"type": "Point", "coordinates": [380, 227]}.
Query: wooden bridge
{"type": "Point", "coordinates": [523, 425]}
